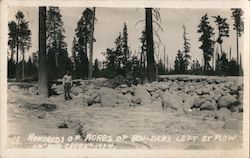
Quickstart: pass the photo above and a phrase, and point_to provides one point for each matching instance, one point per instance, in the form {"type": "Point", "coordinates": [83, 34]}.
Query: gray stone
{"type": "Point", "coordinates": [198, 101]}
{"type": "Point", "coordinates": [223, 114]}
{"type": "Point", "coordinates": [33, 91]}
{"type": "Point", "coordinates": [143, 94]}
{"type": "Point", "coordinates": [163, 85]}
{"type": "Point", "coordinates": [63, 125]}
{"type": "Point", "coordinates": [136, 100]}
{"type": "Point", "coordinates": [227, 101]}
{"type": "Point", "coordinates": [172, 100]}
{"type": "Point", "coordinates": [207, 105]}
{"type": "Point", "coordinates": [108, 100]}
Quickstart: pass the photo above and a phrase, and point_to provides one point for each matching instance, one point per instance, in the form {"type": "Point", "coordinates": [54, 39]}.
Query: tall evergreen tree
{"type": "Point", "coordinates": [206, 38]}
{"type": "Point", "coordinates": [237, 14]}
{"type": "Point", "coordinates": [186, 49]}
{"type": "Point", "coordinates": [58, 61]}
{"type": "Point", "coordinates": [83, 34]}
{"type": "Point", "coordinates": [19, 38]}
{"type": "Point", "coordinates": [125, 48]}
{"type": "Point", "coordinates": [96, 72]}
{"type": "Point", "coordinates": [223, 29]}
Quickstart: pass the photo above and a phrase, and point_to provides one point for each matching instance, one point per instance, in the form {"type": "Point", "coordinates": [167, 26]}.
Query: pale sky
{"type": "Point", "coordinates": [110, 22]}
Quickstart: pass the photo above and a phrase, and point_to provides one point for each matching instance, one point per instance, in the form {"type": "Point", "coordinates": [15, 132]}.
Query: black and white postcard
{"type": "Point", "coordinates": [124, 79]}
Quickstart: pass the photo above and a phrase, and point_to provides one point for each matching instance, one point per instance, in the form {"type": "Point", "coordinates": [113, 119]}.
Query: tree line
{"type": "Point", "coordinates": [52, 60]}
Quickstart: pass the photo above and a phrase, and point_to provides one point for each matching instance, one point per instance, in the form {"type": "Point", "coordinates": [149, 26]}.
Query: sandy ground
{"type": "Point", "coordinates": [145, 120]}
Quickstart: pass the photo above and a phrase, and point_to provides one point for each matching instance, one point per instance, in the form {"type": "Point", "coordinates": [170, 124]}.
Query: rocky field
{"type": "Point", "coordinates": [176, 106]}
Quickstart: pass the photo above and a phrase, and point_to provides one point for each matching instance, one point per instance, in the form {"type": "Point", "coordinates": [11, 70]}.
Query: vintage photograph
{"type": "Point", "coordinates": [125, 78]}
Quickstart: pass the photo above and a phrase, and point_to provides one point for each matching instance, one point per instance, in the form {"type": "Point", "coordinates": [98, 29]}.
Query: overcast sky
{"type": "Point", "coordinates": [110, 22]}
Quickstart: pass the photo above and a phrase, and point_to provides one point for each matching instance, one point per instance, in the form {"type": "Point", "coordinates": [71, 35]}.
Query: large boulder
{"type": "Point", "coordinates": [163, 85]}
{"type": "Point", "coordinates": [172, 101]}
{"type": "Point", "coordinates": [227, 101]}
{"type": "Point", "coordinates": [108, 100]}
{"type": "Point", "coordinates": [143, 94]}
{"type": "Point", "coordinates": [108, 97]}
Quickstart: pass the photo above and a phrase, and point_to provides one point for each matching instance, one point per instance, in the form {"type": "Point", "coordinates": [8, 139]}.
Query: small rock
{"type": "Point", "coordinates": [136, 100]}
{"type": "Point", "coordinates": [123, 85]}
{"type": "Point", "coordinates": [63, 125]}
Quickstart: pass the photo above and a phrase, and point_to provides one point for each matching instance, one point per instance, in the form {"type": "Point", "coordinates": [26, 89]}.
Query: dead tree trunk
{"type": "Point", "coordinates": [151, 68]}
{"type": "Point", "coordinates": [42, 68]}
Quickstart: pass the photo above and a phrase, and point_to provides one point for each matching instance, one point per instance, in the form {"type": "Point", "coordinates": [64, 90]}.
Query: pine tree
{"type": "Point", "coordinates": [59, 61]}
{"type": "Point", "coordinates": [206, 38]}
{"type": "Point", "coordinates": [223, 29]}
{"type": "Point", "coordinates": [19, 38]}
{"type": "Point", "coordinates": [186, 49]}
{"type": "Point", "coordinates": [83, 34]}
{"type": "Point", "coordinates": [96, 72]}
{"type": "Point", "coordinates": [237, 14]}
{"type": "Point", "coordinates": [125, 48]}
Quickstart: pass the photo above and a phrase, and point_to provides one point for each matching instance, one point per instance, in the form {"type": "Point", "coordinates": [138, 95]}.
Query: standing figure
{"type": "Point", "coordinates": [67, 83]}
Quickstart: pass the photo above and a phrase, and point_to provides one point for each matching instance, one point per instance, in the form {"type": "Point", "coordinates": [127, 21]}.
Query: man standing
{"type": "Point", "coordinates": [67, 83]}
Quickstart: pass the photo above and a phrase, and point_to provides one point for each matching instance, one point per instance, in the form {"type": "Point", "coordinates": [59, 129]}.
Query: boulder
{"type": "Point", "coordinates": [59, 89]}
{"type": "Point", "coordinates": [233, 88]}
{"type": "Point", "coordinates": [15, 88]}
{"type": "Point", "coordinates": [188, 103]}
{"type": "Point", "coordinates": [227, 101]}
{"type": "Point", "coordinates": [136, 100]}
{"type": "Point", "coordinates": [223, 114]}
{"type": "Point", "coordinates": [63, 125]}
{"type": "Point", "coordinates": [208, 105]}
{"type": "Point", "coordinates": [108, 100]}
{"type": "Point", "coordinates": [94, 98]}
{"type": "Point", "coordinates": [105, 90]}
{"type": "Point", "coordinates": [198, 101]}
{"type": "Point", "coordinates": [33, 91]}
{"type": "Point", "coordinates": [172, 100]}
{"type": "Point", "coordinates": [240, 99]}
{"type": "Point", "coordinates": [206, 90]}
{"type": "Point", "coordinates": [123, 86]}
{"type": "Point", "coordinates": [198, 91]}
{"type": "Point", "coordinates": [143, 94]}
{"type": "Point", "coordinates": [163, 85]}
{"type": "Point", "coordinates": [154, 95]}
